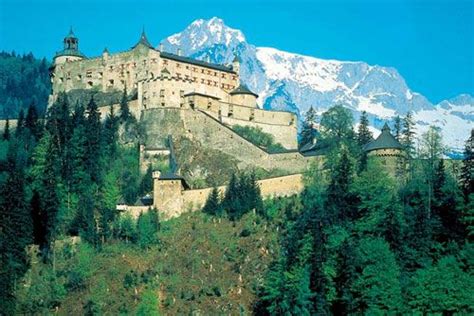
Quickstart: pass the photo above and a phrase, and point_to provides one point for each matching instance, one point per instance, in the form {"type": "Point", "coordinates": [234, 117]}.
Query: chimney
{"type": "Point", "coordinates": [160, 47]}
{"type": "Point", "coordinates": [179, 51]}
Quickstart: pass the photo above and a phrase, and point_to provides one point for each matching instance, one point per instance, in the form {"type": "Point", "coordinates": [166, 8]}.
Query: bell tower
{"type": "Point", "coordinates": [70, 50]}
{"type": "Point", "coordinates": [71, 42]}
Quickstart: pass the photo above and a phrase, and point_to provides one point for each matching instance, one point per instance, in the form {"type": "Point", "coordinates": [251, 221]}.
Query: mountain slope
{"type": "Point", "coordinates": [293, 82]}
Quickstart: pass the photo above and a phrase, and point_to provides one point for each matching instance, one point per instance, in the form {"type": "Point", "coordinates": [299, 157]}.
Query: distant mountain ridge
{"type": "Point", "coordinates": [293, 82]}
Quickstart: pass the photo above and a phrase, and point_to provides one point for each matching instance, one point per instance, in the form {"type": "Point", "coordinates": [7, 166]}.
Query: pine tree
{"type": "Point", "coordinates": [20, 123]}
{"type": "Point", "coordinates": [408, 135]}
{"type": "Point", "coordinates": [31, 122]}
{"type": "Point", "coordinates": [398, 128]}
{"type": "Point", "coordinates": [213, 205]}
{"type": "Point", "coordinates": [124, 108]}
{"type": "Point", "coordinates": [93, 135]}
{"type": "Point", "coordinates": [15, 229]}
{"type": "Point", "coordinates": [110, 134]}
{"type": "Point", "coordinates": [231, 201]}
{"type": "Point", "coordinates": [467, 169]}
{"type": "Point", "coordinates": [340, 199]}
{"type": "Point", "coordinates": [307, 131]}
{"type": "Point", "coordinates": [364, 135]}
{"type": "Point", "coordinates": [6, 131]}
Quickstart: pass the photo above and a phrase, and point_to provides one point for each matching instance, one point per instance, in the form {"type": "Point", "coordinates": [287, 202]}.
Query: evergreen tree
{"type": "Point", "coordinates": [32, 123]}
{"type": "Point", "coordinates": [147, 228]}
{"type": "Point", "coordinates": [124, 108]}
{"type": "Point", "coordinates": [20, 123]}
{"type": "Point", "coordinates": [93, 135]}
{"type": "Point", "coordinates": [213, 205]}
{"type": "Point", "coordinates": [340, 199]}
{"type": "Point", "coordinates": [408, 135]}
{"type": "Point", "coordinates": [39, 226]}
{"type": "Point", "coordinates": [467, 169]}
{"type": "Point", "coordinates": [6, 131]}
{"type": "Point", "coordinates": [110, 134]}
{"type": "Point", "coordinates": [398, 128]}
{"type": "Point", "coordinates": [364, 135]}
{"type": "Point", "coordinates": [15, 229]}
{"type": "Point", "coordinates": [146, 185]}
{"type": "Point", "coordinates": [307, 131]}
{"type": "Point", "coordinates": [231, 201]}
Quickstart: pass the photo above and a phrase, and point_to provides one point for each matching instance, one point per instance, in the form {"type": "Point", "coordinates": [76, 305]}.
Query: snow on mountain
{"type": "Point", "coordinates": [293, 82]}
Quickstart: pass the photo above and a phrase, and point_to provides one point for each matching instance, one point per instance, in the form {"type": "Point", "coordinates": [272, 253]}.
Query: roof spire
{"type": "Point", "coordinates": [143, 40]}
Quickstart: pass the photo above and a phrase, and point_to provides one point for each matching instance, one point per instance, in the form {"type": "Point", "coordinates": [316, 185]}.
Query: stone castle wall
{"type": "Point", "coordinates": [172, 200]}
{"type": "Point", "coordinates": [213, 135]}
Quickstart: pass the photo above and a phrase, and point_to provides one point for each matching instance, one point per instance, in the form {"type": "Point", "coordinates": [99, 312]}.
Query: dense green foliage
{"type": "Point", "coordinates": [364, 243]}
{"type": "Point", "coordinates": [24, 81]}
{"type": "Point", "coordinates": [356, 241]}
{"type": "Point", "coordinates": [63, 177]}
{"type": "Point", "coordinates": [258, 137]}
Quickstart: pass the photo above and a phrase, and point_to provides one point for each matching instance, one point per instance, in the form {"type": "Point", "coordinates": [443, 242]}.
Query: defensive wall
{"type": "Point", "coordinates": [171, 197]}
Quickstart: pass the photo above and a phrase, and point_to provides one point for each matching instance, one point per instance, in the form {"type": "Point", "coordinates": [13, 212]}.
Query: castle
{"type": "Point", "coordinates": [189, 108]}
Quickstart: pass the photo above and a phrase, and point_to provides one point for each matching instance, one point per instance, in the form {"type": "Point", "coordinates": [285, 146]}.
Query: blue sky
{"type": "Point", "coordinates": [430, 42]}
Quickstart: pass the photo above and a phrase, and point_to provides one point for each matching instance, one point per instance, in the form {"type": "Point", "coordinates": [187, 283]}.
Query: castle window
{"type": "Point", "coordinates": [153, 60]}
{"type": "Point", "coordinates": [79, 77]}
{"type": "Point", "coordinates": [178, 75]}
{"type": "Point", "coordinates": [194, 69]}
{"type": "Point", "coordinates": [165, 62]}
{"type": "Point", "coordinates": [209, 82]}
{"type": "Point", "coordinates": [223, 76]}
{"type": "Point", "coordinates": [178, 65]}
{"type": "Point", "coordinates": [222, 86]}
{"type": "Point", "coordinates": [162, 93]}
{"type": "Point", "coordinates": [181, 93]}
{"type": "Point", "coordinates": [89, 74]}
{"type": "Point", "coordinates": [234, 77]}
{"type": "Point", "coordinates": [195, 79]}
{"type": "Point", "coordinates": [99, 75]}
{"type": "Point", "coordinates": [187, 67]}
{"type": "Point", "coordinates": [202, 80]}
{"type": "Point", "coordinates": [202, 70]}
{"type": "Point", "coordinates": [208, 72]}
{"type": "Point", "coordinates": [209, 105]}
{"type": "Point", "coordinates": [111, 82]}
{"type": "Point", "coordinates": [111, 68]}
{"type": "Point", "coordinates": [162, 103]}
{"type": "Point", "coordinates": [61, 79]}
{"type": "Point", "coordinates": [215, 83]}
{"type": "Point", "coordinates": [89, 83]}
{"type": "Point", "coordinates": [215, 74]}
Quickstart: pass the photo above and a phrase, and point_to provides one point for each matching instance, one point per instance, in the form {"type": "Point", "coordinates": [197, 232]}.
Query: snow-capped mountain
{"type": "Point", "coordinates": [287, 81]}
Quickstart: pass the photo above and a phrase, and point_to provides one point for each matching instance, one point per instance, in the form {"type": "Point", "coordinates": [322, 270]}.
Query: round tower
{"type": "Point", "coordinates": [388, 150]}
{"type": "Point", "coordinates": [70, 51]}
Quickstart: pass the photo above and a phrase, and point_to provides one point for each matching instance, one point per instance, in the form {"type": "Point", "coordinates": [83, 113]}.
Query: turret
{"type": "Point", "coordinates": [236, 64]}
{"type": "Point", "coordinates": [243, 96]}
{"type": "Point", "coordinates": [70, 51]}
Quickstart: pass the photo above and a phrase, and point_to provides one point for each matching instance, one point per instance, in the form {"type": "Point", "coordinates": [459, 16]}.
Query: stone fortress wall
{"type": "Point", "coordinates": [172, 199]}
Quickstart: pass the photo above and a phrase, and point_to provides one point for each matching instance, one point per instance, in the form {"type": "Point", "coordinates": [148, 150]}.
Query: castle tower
{"type": "Point", "coordinates": [387, 149]}
{"type": "Point", "coordinates": [236, 64]}
{"type": "Point", "coordinates": [242, 95]}
{"type": "Point", "coordinates": [70, 51]}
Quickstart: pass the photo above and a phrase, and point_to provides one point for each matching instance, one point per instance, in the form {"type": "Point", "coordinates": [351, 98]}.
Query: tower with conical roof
{"type": "Point", "coordinates": [388, 150]}
{"type": "Point", "coordinates": [70, 50]}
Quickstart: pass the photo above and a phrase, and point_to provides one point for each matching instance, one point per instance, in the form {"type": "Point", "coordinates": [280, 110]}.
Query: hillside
{"type": "Point", "coordinates": [202, 264]}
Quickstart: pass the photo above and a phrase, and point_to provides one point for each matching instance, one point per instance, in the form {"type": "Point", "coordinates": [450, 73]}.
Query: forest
{"type": "Point", "coordinates": [358, 240]}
